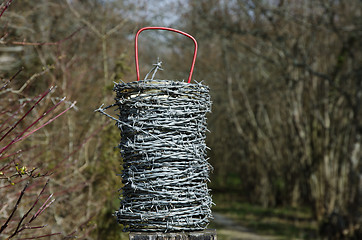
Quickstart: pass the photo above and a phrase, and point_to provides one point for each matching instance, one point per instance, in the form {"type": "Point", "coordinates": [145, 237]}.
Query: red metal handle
{"type": "Point", "coordinates": [168, 29]}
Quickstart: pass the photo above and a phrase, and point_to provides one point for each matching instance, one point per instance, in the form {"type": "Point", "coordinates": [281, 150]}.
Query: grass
{"type": "Point", "coordinates": [283, 223]}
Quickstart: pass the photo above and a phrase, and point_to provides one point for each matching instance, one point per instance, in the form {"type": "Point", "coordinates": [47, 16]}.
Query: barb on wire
{"type": "Point", "coordinates": [157, 66]}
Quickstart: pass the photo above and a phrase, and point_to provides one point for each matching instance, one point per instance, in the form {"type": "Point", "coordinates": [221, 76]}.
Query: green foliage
{"type": "Point", "coordinates": [107, 184]}
{"type": "Point", "coordinates": [233, 181]}
{"type": "Point", "coordinates": [283, 222]}
{"type": "Point", "coordinates": [121, 67]}
{"type": "Point", "coordinates": [107, 227]}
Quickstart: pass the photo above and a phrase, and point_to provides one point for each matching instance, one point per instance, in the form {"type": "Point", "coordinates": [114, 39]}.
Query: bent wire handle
{"type": "Point", "coordinates": [168, 29]}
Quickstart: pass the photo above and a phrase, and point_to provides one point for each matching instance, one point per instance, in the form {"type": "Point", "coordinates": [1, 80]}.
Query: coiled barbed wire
{"type": "Point", "coordinates": [165, 167]}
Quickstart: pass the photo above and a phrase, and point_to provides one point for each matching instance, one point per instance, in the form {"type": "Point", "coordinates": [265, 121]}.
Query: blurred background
{"type": "Point", "coordinates": [285, 129]}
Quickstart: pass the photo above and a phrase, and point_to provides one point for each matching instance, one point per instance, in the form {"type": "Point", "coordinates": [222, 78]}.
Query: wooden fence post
{"type": "Point", "coordinates": [209, 234]}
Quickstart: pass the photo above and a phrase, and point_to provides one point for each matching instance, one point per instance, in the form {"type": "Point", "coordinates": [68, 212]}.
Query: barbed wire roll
{"type": "Point", "coordinates": [165, 167]}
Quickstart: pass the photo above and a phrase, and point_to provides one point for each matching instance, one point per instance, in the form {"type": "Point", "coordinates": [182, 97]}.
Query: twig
{"type": "Point", "coordinates": [48, 43]}
{"type": "Point", "coordinates": [12, 78]}
{"type": "Point", "coordinates": [88, 24]}
{"type": "Point", "coordinates": [27, 113]}
{"type": "Point", "coordinates": [6, 6]}
{"type": "Point", "coordinates": [71, 235]}
{"type": "Point", "coordinates": [48, 122]}
{"type": "Point", "coordinates": [16, 207]}
{"type": "Point", "coordinates": [14, 113]}
{"type": "Point", "coordinates": [81, 144]}
{"type": "Point", "coordinates": [29, 80]}
{"type": "Point", "coordinates": [102, 36]}
{"type": "Point", "coordinates": [42, 208]}
{"type": "Point", "coordinates": [37, 120]}
{"type": "Point", "coordinates": [113, 30]}
{"type": "Point", "coordinates": [45, 205]}
{"type": "Point", "coordinates": [47, 235]}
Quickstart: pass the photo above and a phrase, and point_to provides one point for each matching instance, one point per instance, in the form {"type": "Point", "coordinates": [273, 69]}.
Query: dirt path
{"type": "Point", "coordinates": [231, 230]}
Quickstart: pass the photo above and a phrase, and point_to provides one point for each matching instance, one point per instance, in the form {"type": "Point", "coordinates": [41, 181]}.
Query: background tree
{"type": "Point", "coordinates": [288, 73]}
{"type": "Point", "coordinates": [80, 47]}
{"type": "Point", "coordinates": [285, 80]}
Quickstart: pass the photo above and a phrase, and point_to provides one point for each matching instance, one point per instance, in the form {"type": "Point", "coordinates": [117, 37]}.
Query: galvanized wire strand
{"type": "Point", "coordinates": [157, 66]}
{"type": "Point", "coordinates": [165, 167]}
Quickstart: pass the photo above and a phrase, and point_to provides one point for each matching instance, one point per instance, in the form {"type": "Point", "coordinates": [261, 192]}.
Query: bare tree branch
{"type": "Point", "coordinates": [5, 225]}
